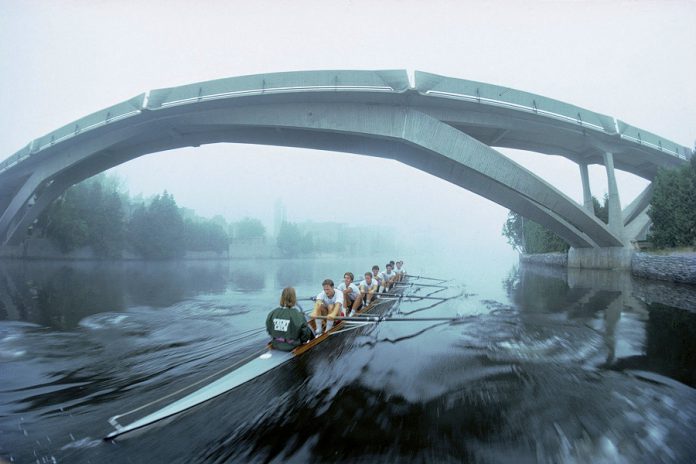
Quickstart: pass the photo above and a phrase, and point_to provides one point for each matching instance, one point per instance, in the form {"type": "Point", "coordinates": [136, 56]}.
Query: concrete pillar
{"type": "Point", "coordinates": [586, 192]}
{"type": "Point", "coordinates": [615, 217]}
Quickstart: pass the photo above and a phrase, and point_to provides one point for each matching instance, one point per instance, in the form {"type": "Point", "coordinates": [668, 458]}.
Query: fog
{"type": "Point", "coordinates": [633, 60]}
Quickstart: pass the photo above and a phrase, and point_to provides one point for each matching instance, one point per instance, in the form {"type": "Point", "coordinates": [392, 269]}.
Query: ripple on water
{"type": "Point", "coordinates": [12, 340]}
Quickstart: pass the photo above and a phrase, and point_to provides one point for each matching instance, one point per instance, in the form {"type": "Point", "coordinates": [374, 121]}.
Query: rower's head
{"type": "Point", "coordinates": [348, 278]}
{"type": "Point", "coordinates": [389, 267]}
{"type": "Point", "coordinates": [368, 277]}
{"type": "Point", "coordinates": [288, 298]}
{"type": "Point", "coordinates": [392, 263]}
{"type": "Point", "coordinates": [375, 269]}
{"type": "Point", "coordinates": [328, 287]}
{"type": "Point", "coordinates": [399, 264]}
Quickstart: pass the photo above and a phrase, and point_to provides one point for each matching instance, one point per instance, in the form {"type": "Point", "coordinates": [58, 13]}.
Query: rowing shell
{"type": "Point", "coordinates": [268, 361]}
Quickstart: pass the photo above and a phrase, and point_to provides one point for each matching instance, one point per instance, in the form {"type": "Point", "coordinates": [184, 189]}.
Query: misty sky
{"type": "Point", "coordinates": [63, 60]}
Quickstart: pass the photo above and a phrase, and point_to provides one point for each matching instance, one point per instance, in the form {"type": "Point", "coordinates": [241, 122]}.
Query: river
{"type": "Point", "coordinates": [545, 365]}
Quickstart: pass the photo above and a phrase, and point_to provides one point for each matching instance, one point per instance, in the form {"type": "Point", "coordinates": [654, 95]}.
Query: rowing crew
{"type": "Point", "coordinates": [288, 326]}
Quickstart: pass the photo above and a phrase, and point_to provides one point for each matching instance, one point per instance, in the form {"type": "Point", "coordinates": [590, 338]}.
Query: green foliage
{"type": "Point", "coordinates": [527, 236]}
{"type": "Point", "coordinates": [307, 243]}
{"type": "Point", "coordinates": [601, 210]}
{"type": "Point", "coordinates": [513, 231]}
{"type": "Point", "coordinates": [87, 214]}
{"type": "Point", "coordinates": [201, 235]}
{"type": "Point", "coordinates": [673, 207]}
{"type": "Point", "coordinates": [92, 213]}
{"type": "Point", "coordinates": [538, 239]}
{"type": "Point", "coordinates": [291, 241]}
{"type": "Point", "coordinates": [156, 231]}
{"type": "Point", "coordinates": [288, 240]}
{"type": "Point", "coordinates": [248, 229]}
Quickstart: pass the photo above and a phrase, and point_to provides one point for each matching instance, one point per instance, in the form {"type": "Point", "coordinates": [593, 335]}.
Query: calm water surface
{"type": "Point", "coordinates": [544, 366]}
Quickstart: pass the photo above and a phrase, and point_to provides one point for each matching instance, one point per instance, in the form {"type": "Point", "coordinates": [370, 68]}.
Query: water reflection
{"type": "Point", "coordinates": [247, 279]}
{"type": "Point", "coordinates": [555, 372]}
{"type": "Point", "coordinates": [60, 295]}
{"type": "Point", "coordinates": [638, 330]}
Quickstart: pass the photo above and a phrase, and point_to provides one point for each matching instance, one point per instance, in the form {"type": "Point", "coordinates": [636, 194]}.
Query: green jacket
{"type": "Point", "coordinates": [288, 328]}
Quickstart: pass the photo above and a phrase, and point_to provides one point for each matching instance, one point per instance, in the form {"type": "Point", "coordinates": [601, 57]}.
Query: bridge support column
{"type": "Point", "coordinates": [586, 192]}
{"type": "Point", "coordinates": [614, 204]}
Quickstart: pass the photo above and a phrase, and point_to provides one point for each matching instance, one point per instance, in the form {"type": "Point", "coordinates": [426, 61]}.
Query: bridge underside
{"type": "Point", "coordinates": [407, 135]}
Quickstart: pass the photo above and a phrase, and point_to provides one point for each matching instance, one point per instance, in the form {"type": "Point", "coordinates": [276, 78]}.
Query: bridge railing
{"type": "Point", "coordinates": [488, 94]}
{"type": "Point", "coordinates": [100, 118]}
{"type": "Point", "coordinates": [395, 81]}
{"type": "Point", "coordinates": [494, 95]}
{"type": "Point", "coordinates": [300, 81]}
{"type": "Point", "coordinates": [304, 81]}
{"type": "Point", "coordinates": [643, 137]}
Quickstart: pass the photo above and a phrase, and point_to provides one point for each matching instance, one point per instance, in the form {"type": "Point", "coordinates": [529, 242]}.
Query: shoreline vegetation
{"type": "Point", "coordinates": [669, 249]}
{"type": "Point", "coordinates": [97, 220]}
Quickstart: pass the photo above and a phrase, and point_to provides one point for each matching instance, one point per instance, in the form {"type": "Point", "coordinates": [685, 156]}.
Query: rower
{"type": "Point", "coordinates": [377, 277]}
{"type": "Point", "coordinates": [287, 324]}
{"type": "Point", "coordinates": [329, 303]}
{"type": "Point", "coordinates": [351, 293]}
{"type": "Point", "coordinates": [388, 277]}
{"type": "Point", "coordinates": [400, 270]}
{"type": "Point", "coordinates": [368, 287]}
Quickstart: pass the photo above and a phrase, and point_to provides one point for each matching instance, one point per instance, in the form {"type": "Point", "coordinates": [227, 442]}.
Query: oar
{"type": "Point", "coordinates": [426, 278]}
{"type": "Point", "coordinates": [406, 284]}
{"type": "Point", "coordinates": [389, 319]}
{"type": "Point", "coordinates": [397, 295]}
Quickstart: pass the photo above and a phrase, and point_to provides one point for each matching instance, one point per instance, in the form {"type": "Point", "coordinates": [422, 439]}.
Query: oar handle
{"type": "Point", "coordinates": [390, 319]}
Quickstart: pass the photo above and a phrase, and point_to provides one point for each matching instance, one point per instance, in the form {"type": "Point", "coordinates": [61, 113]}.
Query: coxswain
{"type": "Point", "coordinates": [328, 303]}
{"type": "Point", "coordinates": [351, 292]}
{"type": "Point", "coordinates": [368, 287]}
{"type": "Point", "coordinates": [287, 324]}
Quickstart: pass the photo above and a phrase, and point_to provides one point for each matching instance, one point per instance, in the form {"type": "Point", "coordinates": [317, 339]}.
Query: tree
{"type": "Point", "coordinates": [673, 207]}
{"type": "Point", "coordinates": [248, 229]}
{"type": "Point", "coordinates": [601, 210]}
{"type": "Point", "coordinates": [527, 236]}
{"type": "Point", "coordinates": [289, 239]}
{"type": "Point", "coordinates": [87, 214]}
{"type": "Point", "coordinates": [156, 231]}
{"type": "Point", "coordinates": [205, 235]}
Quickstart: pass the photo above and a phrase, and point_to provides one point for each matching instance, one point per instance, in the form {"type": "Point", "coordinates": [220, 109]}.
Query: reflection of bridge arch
{"type": "Point", "coordinates": [442, 126]}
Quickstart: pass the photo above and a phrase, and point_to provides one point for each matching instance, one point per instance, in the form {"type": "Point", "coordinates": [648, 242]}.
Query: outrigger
{"type": "Point", "coordinates": [249, 369]}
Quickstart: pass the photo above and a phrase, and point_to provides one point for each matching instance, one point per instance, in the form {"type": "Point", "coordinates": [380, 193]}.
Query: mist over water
{"type": "Point", "coordinates": [545, 365]}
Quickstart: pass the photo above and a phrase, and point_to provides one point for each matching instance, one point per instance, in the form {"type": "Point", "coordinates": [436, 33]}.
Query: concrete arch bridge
{"type": "Point", "coordinates": [444, 126]}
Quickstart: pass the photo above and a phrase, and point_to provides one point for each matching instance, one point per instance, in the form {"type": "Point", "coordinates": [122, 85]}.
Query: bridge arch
{"type": "Point", "coordinates": [369, 113]}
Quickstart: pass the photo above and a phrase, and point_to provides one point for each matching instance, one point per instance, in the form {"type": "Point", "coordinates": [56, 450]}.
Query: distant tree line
{"type": "Point", "coordinates": [673, 207]}
{"type": "Point", "coordinates": [527, 236]}
{"type": "Point", "coordinates": [95, 213]}
{"type": "Point", "coordinates": [292, 242]}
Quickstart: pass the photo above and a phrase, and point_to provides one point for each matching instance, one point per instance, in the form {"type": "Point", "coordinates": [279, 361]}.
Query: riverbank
{"type": "Point", "coordinates": [678, 266]}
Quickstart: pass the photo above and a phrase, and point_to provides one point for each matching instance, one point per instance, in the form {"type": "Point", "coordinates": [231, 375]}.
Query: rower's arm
{"type": "Point", "coordinates": [335, 310]}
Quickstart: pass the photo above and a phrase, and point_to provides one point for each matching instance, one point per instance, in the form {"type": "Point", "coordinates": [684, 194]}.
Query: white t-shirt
{"type": "Point", "coordinates": [337, 297]}
{"type": "Point", "coordinates": [400, 271]}
{"type": "Point", "coordinates": [387, 275]}
{"type": "Point", "coordinates": [373, 285]}
{"type": "Point", "coordinates": [354, 291]}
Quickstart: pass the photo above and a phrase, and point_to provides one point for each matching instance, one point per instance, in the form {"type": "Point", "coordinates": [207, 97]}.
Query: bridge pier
{"type": "Point", "coordinates": [600, 258]}
{"type": "Point", "coordinates": [615, 216]}
{"type": "Point", "coordinates": [586, 192]}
